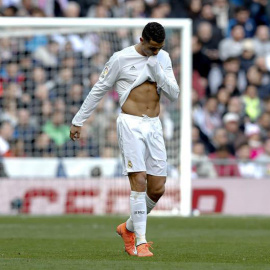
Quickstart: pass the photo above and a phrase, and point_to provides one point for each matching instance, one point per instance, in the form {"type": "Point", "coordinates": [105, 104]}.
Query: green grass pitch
{"type": "Point", "coordinates": [90, 242]}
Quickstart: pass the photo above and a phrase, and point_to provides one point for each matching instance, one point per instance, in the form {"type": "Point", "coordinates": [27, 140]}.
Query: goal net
{"type": "Point", "coordinates": [48, 66]}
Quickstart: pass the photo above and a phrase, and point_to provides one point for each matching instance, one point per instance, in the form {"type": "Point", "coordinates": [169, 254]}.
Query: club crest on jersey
{"type": "Point", "coordinates": [104, 72]}
{"type": "Point", "coordinates": [130, 164]}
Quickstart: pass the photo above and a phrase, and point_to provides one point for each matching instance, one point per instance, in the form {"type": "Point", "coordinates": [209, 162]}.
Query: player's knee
{"type": "Point", "coordinates": [156, 193]}
{"type": "Point", "coordinates": [138, 181]}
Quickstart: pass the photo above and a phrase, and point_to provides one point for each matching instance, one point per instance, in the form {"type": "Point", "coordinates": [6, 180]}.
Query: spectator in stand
{"type": "Point", "coordinates": [209, 40]}
{"type": "Point", "coordinates": [194, 11]}
{"type": "Point", "coordinates": [38, 78]}
{"type": "Point", "coordinates": [217, 73]}
{"type": "Point", "coordinates": [207, 13]}
{"type": "Point", "coordinates": [74, 100]}
{"type": "Point", "coordinates": [47, 55]}
{"type": "Point", "coordinates": [256, 75]}
{"type": "Point", "coordinates": [223, 98]}
{"type": "Point", "coordinates": [263, 160]}
{"type": "Point", "coordinates": [41, 98]}
{"type": "Point", "coordinates": [72, 61]}
{"type": "Point", "coordinates": [61, 84]}
{"type": "Point", "coordinates": [221, 10]}
{"type": "Point", "coordinates": [43, 146]}
{"type": "Point", "coordinates": [6, 54]}
{"type": "Point", "coordinates": [98, 124]}
{"type": "Point", "coordinates": [258, 11]}
{"type": "Point", "coordinates": [109, 9]}
{"type": "Point", "coordinates": [201, 165]}
{"type": "Point", "coordinates": [111, 137]}
{"type": "Point", "coordinates": [24, 130]}
{"type": "Point", "coordinates": [264, 124]}
{"type": "Point", "coordinates": [12, 92]}
{"type": "Point", "coordinates": [33, 41]}
{"type": "Point", "coordinates": [25, 7]}
{"type": "Point", "coordinates": [235, 105]}
{"type": "Point", "coordinates": [26, 65]}
{"type": "Point", "coordinates": [11, 73]}
{"type": "Point", "coordinates": [242, 17]}
{"type": "Point", "coordinates": [97, 62]}
{"type": "Point", "coordinates": [37, 12]}
{"type": "Point", "coordinates": [9, 11]}
{"type": "Point", "coordinates": [252, 131]}
{"type": "Point", "coordinates": [248, 56]}
{"type": "Point", "coordinates": [219, 139]}
{"type": "Point", "coordinates": [246, 167]}
{"type": "Point", "coordinates": [9, 112]}
{"type": "Point", "coordinates": [230, 84]}
{"type": "Point", "coordinates": [195, 135]}
{"type": "Point", "coordinates": [207, 118]}
{"type": "Point", "coordinates": [263, 64]}
{"type": "Point", "coordinates": [224, 162]}
{"type": "Point", "coordinates": [266, 105]}
{"type": "Point", "coordinates": [56, 129]}
{"type": "Point", "coordinates": [18, 148]}
{"type": "Point", "coordinates": [232, 46]}
{"type": "Point", "coordinates": [161, 10]}
{"type": "Point", "coordinates": [89, 82]}
{"type": "Point", "coordinates": [179, 9]}
{"type": "Point", "coordinates": [71, 10]}
{"type": "Point", "coordinates": [6, 131]}
{"type": "Point", "coordinates": [201, 63]}
{"type": "Point", "coordinates": [236, 136]}
{"type": "Point", "coordinates": [262, 40]}
{"type": "Point", "coordinates": [252, 103]}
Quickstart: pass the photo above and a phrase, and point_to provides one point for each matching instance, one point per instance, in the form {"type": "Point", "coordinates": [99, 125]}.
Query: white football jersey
{"type": "Point", "coordinates": [126, 70]}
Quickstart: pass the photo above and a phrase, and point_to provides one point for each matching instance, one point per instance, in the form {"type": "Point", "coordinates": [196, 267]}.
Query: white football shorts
{"type": "Point", "coordinates": [141, 144]}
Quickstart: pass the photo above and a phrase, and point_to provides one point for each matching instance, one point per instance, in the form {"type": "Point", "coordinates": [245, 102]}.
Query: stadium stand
{"type": "Point", "coordinates": [44, 79]}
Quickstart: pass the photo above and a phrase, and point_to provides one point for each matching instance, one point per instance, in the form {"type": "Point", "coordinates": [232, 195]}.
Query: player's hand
{"type": "Point", "coordinates": [75, 132]}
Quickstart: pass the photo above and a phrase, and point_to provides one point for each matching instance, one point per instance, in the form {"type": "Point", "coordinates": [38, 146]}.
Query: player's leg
{"type": "Point", "coordinates": [133, 150]}
{"type": "Point", "coordinates": [156, 165]}
{"type": "Point", "coordinates": [155, 189]}
{"type": "Point", "coordinates": [138, 217]}
{"type": "Point", "coordinates": [138, 205]}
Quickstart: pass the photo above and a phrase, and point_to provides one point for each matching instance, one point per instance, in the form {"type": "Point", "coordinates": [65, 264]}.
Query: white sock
{"type": "Point", "coordinates": [149, 205]}
{"type": "Point", "coordinates": [138, 215]}
{"type": "Point", "coordinates": [129, 224]}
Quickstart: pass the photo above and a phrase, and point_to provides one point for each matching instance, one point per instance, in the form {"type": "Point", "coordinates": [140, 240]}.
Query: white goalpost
{"type": "Point", "coordinates": [25, 27]}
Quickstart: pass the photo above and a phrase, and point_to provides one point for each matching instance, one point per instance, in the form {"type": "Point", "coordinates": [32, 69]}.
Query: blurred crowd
{"type": "Point", "coordinates": [45, 78]}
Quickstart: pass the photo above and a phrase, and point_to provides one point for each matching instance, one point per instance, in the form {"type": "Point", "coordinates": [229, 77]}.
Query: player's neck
{"type": "Point", "coordinates": [138, 48]}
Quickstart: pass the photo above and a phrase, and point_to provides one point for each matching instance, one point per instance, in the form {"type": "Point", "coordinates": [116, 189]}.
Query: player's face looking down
{"type": "Point", "coordinates": [151, 48]}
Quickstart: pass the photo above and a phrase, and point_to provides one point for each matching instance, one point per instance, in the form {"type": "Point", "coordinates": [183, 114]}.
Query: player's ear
{"type": "Point", "coordinates": [141, 39]}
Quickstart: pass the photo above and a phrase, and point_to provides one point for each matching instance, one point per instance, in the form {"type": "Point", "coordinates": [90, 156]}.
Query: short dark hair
{"type": "Point", "coordinates": [154, 31]}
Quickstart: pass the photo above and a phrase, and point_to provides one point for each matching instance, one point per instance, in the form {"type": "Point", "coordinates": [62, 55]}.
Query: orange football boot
{"type": "Point", "coordinates": [143, 250]}
{"type": "Point", "coordinates": [128, 238]}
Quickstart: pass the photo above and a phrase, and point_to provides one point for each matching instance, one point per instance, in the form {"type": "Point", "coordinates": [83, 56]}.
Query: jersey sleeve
{"type": "Point", "coordinates": [164, 77]}
{"type": "Point", "coordinates": [107, 79]}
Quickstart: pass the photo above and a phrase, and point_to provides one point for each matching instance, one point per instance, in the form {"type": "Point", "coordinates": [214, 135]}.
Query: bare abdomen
{"type": "Point", "coordinates": [143, 99]}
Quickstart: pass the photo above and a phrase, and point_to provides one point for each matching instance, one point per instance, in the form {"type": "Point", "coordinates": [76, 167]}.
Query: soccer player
{"type": "Point", "coordinates": [140, 74]}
